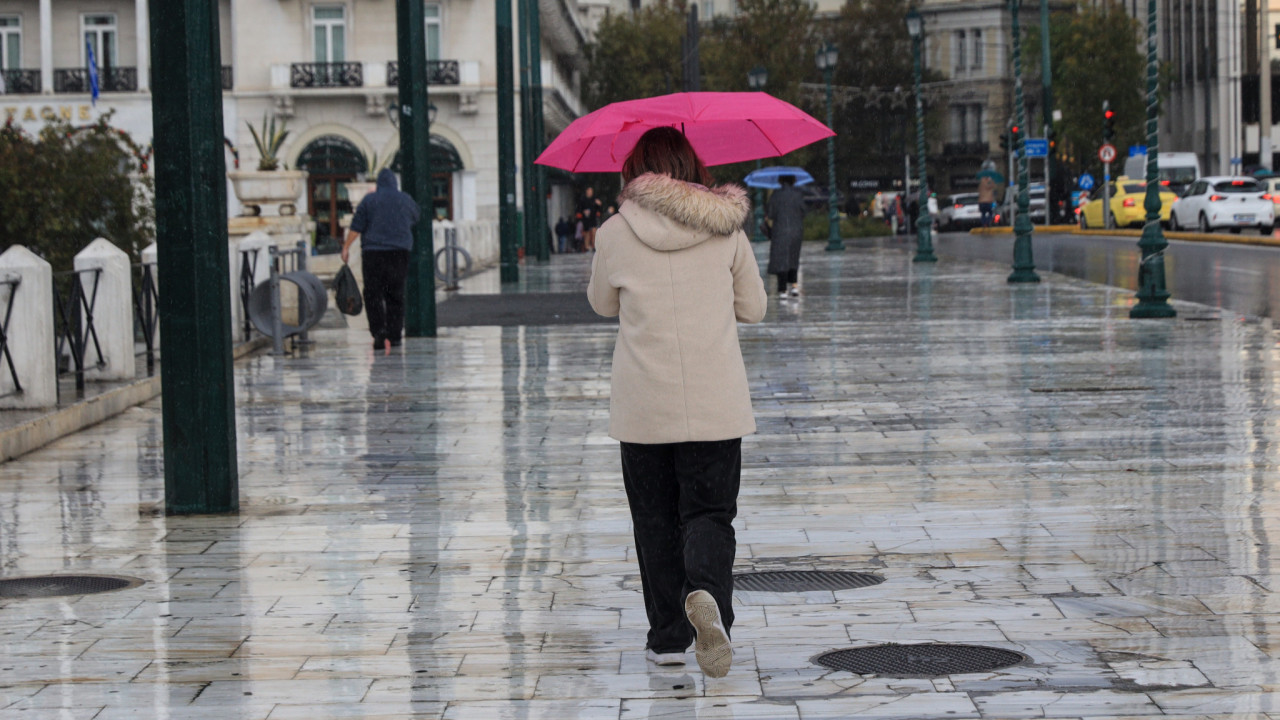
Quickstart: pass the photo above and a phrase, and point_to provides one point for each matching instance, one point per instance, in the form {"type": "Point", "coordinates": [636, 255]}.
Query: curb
{"type": "Point", "coordinates": [1226, 239]}
{"type": "Point", "coordinates": [34, 434]}
{"type": "Point", "coordinates": [1006, 230]}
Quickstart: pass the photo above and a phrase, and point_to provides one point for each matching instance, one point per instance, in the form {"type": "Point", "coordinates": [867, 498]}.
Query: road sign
{"type": "Point", "coordinates": [1137, 150]}
{"type": "Point", "coordinates": [1107, 153]}
{"type": "Point", "coordinates": [1037, 147]}
{"type": "Point", "coordinates": [1086, 182]}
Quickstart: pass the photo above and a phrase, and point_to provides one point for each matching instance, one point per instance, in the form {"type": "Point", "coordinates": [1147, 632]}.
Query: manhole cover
{"type": "Point", "coordinates": [803, 581]}
{"type": "Point", "coordinates": [915, 661]}
{"type": "Point", "coordinates": [45, 586]}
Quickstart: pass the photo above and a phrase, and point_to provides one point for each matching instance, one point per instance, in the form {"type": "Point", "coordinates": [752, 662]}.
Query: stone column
{"type": "Point", "coordinates": [111, 295]}
{"type": "Point", "coordinates": [46, 46]}
{"type": "Point", "coordinates": [30, 331]}
{"type": "Point", "coordinates": [143, 43]}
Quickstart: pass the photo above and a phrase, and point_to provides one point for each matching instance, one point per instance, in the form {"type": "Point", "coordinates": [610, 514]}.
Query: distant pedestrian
{"type": "Point", "coordinates": [589, 206]}
{"type": "Point", "coordinates": [785, 211]}
{"type": "Point", "coordinates": [678, 271]}
{"type": "Point", "coordinates": [385, 218]}
{"type": "Point", "coordinates": [563, 232]}
{"type": "Point", "coordinates": [579, 234]}
{"type": "Point", "coordinates": [987, 200]}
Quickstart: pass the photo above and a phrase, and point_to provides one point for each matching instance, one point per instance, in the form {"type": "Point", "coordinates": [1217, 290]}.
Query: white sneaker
{"type": "Point", "coordinates": [712, 647]}
{"type": "Point", "coordinates": [665, 659]}
{"type": "Point", "coordinates": [795, 291]}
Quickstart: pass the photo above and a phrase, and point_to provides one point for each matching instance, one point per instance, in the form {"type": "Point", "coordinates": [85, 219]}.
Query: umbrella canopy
{"type": "Point", "coordinates": [769, 177]}
{"type": "Point", "coordinates": [995, 176]}
{"type": "Point", "coordinates": [722, 127]}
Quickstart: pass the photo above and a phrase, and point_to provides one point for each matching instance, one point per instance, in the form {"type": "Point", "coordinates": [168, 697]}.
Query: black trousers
{"type": "Point", "coordinates": [790, 276]}
{"type": "Point", "coordinates": [683, 499]}
{"type": "Point", "coordinates": [385, 272]}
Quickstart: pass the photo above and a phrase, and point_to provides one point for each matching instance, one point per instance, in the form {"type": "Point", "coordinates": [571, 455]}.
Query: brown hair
{"type": "Point", "coordinates": [665, 151]}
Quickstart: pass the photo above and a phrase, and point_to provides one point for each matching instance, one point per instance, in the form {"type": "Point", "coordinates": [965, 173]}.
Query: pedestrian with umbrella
{"type": "Point", "coordinates": [988, 180]}
{"type": "Point", "coordinates": [785, 211]}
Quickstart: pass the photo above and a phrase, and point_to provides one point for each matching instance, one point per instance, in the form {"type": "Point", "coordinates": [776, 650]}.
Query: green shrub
{"type": "Point", "coordinates": [817, 226]}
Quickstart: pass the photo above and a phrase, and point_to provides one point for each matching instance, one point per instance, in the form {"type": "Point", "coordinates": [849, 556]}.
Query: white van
{"type": "Point", "coordinates": [1177, 169]}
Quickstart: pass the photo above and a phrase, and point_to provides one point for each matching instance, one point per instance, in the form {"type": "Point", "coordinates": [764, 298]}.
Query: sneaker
{"type": "Point", "coordinates": [712, 647]}
{"type": "Point", "coordinates": [795, 291]}
{"type": "Point", "coordinates": [666, 659]}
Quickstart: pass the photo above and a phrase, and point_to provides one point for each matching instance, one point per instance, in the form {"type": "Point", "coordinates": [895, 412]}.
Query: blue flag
{"type": "Point", "coordinates": [93, 75]}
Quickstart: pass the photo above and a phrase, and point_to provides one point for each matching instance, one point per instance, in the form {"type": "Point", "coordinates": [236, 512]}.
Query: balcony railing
{"type": "Point", "coordinates": [111, 79]}
{"type": "Point", "coordinates": [966, 148]}
{"type": "Point", "coordinates": [227, 78]}
{"type": "Point", "coordinates": [439, 72]}
{"type": "Point", "coordinates": [21, 82]}
{"type": "Point", "coordinates": [319, 74]}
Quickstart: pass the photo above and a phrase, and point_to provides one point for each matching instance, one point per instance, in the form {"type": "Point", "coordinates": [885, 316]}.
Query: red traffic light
{"type": "Point", "coordinates": [1109, 114]}
{"type": "Point", "coordinates": [1014, 129]}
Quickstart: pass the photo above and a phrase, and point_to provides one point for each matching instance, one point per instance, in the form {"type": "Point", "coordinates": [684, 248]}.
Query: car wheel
{"type": "Point", "coordinates": [1084, 222]}
{"type": "Point", "coordinates": [1173, 222]}
{"type": "Point", "coordinates": [1111, 222]}
{"type": "Point", "coordinates": [1267, 230]}
{"type": "Point", "coordinates": [1235, 231]}
{"type": "Point", "coordinates": [1204, 224]}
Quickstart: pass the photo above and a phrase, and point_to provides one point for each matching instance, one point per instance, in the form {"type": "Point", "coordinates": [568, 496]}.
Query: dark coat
{"type": "Point", "coordinates": [786, 211]}
{"type": "Point", "coordinates": [385, 217]}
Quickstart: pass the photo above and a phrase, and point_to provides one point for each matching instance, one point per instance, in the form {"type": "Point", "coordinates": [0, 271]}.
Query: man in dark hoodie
{"type": "Point", "coordinates": [385, 218]}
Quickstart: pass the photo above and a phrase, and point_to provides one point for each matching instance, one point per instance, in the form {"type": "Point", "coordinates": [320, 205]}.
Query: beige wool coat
{"type": "Point", "coordinates": [677, 270]}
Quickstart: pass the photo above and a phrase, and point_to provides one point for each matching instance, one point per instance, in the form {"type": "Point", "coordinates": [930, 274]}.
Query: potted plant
{"type": "Point", "coordinates": [268, 185]}
{"type": "Point", "coordinates": [365, 181]}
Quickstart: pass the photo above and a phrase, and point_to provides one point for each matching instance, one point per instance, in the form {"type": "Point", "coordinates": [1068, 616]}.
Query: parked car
{"type": "Point", "coordinates": [1127, 198]}
{"type": "Point", "coordinates": [1234, 203]}
{"type": "Point", "coordinates": [816, 197]}
{"type": "Point", "coordinates": [1038, 203]}
{"type": "Point", "coordinates": [961, 212]}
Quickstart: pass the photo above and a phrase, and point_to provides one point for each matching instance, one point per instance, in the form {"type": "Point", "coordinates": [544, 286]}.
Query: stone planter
{"type": "Point", "coordinates": [256, 188]}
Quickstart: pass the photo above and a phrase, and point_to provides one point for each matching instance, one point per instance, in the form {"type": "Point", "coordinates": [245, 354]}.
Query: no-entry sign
{"type": "Point", "coordinates": [1107, 153]}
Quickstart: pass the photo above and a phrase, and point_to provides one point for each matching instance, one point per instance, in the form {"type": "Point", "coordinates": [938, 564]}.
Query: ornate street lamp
{"type": "Point", "coordinates": [924, 224]}
{"type": "Point", "coordinates": [1024, 267]}
{"type": "Point", "coordinates": [1153, 298]}
{"type": "Point", "coordinates": [827, 56]}
{"type": "Point", "coordinates": [757, 79]}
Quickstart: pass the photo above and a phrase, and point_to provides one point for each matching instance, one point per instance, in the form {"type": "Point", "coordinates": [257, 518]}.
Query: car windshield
{"type": "Point", "coordinates": [964, 200]}
{"type": "Point", "coordinates": [1177, 175]}
{"type": "Point", "coordinates": [1135, 188]}
{"type": "Point", "coordinates": [1238, 186]}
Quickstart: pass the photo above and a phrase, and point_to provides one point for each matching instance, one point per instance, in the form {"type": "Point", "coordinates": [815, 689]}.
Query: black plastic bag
{"type": "Point", "coordinates": [346, 292]}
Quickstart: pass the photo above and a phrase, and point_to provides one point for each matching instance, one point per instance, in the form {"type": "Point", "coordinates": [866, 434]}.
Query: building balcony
{"type": "Point", "coordinates": [965, 149]}
{"type": "Point", "coordinates": [326, 75]}
{"type": "Point", "coordinates": [21, 82]}
{"type": "Point", "coordinates": [439, 72]}
{"type": "Point", "coordinates": [111, 79]}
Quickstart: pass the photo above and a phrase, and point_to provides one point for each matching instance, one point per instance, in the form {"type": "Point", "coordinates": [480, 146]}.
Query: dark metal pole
{"type": "Point", "coordinates": [543, 237]}
{"type": "Point", "coordinates": [200, 473]}
{"type": "Point", "coordinates": [924, 223]}
{"type": "Point", "coordinates": [1046, 101]}
{"type": "Point", "coordinates": [1024, 267]}
{"type": "Point", "coordinates": [508, 232]}
{"type": "Point", "coordinates": [528, 174]}
{"type": "Point", "coordinates": [1153, 298]}
{"type": "Point", "coordinates": [415, 165]}
{"type": "Point", "coordinates": [834, 242]}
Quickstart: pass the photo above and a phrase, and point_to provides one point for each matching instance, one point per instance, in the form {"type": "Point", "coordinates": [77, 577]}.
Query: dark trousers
{"type": "Point", "coordinates": [791, 276]}
{"type": "Point", "coordinates": [385, 272]}
{"type": "Point", "coordinates": [683, 499]}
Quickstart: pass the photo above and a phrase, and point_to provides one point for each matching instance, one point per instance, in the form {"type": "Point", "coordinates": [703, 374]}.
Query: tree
{"type": "Point", "coordinates": [71, 185]}
{"type": "Point", "coordinates": [1095, 55]}
{"type": "Point", "coordinates": [635, 55]}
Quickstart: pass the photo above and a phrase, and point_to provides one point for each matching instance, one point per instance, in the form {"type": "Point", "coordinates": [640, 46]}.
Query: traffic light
{"type": "Point", "coordinates": [1015, 134]}
{"type": "Point", "coordinates": [1108, 123]}
{"type": "Point", "coordinates": [1004, 141]}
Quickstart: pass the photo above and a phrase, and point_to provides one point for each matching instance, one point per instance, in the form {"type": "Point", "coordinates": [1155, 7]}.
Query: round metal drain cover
{"type": "Point", "coordinates": [45, 586]}
{"type": "Point", "coordinates": [803, 581]}
{"type": "Point", "coordinates": [919, 661]}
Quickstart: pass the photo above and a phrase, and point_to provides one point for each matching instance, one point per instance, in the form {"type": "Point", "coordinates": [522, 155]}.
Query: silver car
{"type": "Point", "coordinates": [960, 213]}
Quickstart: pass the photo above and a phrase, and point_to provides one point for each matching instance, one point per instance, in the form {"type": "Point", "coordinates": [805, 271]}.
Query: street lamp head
{"type": "Point", "coordinates": [915, 23]}
{"type": "Point", "coordinates": [827, 56]}
{"type": "Point", "coordinates": [758, 77]}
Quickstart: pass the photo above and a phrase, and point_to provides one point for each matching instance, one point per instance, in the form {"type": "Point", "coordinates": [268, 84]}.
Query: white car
{"type": "Point", "coordinates": [961, 212]}
{"type": "Point", "coordinates": [1228, 202]}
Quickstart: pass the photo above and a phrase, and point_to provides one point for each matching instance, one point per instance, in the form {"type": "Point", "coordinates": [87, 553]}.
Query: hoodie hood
{"type": "Point", "coordinates": [387, 180]}
{"type": "Point", "coordinates": [669, 214]}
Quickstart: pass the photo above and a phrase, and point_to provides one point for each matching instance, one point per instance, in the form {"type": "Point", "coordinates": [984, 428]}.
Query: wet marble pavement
{"type": "Point", "coordinates": [442, 533]}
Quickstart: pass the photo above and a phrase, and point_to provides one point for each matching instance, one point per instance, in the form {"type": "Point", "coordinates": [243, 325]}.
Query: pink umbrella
{"type": "Point", "coordinates": [724, 127]}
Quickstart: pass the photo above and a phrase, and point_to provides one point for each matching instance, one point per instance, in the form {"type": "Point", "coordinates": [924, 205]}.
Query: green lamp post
{"type": "Point", "coordinates": [757, 79]}
{"type": "Point", "coordinates": [827, 56]}
{"type": "Point", "coordinates": [1024, 267]}
{"type": "Point", "coordinates": [924, 223]}
{"type": "Point", "coordinates": [1153, 297]}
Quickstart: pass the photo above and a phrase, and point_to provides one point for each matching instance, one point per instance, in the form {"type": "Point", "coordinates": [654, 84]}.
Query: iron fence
{"type": "Point", "coordinates": [110, 79]}
{"type": "Point", "coordinates": [21, 82]}
{"type": "Point", "coordinates": [73, 322]}
{"type": "Point", "coordinates": [146, 308]}
{"type": "Point", "coordinates": [326, 74]}
{"type": "Point", "coordinates": [12, 282]}
{"type": "Point", "coordinates": [439, 72]}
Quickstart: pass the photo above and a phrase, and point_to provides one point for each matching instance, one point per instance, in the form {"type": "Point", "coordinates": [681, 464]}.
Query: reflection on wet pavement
{"type": "Point", "coordinates": [442, 532]}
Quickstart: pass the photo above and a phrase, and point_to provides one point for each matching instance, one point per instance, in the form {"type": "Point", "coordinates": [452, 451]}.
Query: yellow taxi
{"type": "Point", "coordinates": [1127, 197]}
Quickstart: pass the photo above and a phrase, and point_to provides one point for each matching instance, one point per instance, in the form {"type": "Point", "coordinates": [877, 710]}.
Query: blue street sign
{"type": "Point", "coordinates": [1136, 150]}
{"type": "Point", "coordinates": [1037, 148]}
{"type": "Point", "coordinates": [1086, 182]}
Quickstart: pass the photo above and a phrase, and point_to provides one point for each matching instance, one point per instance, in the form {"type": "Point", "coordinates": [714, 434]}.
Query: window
{"type": "Point", "coordinates": [99, 32]}
{"type": "Point", "coordinates": [960, 45]}
{"type": "Point", "coordinates": [978, 57]}
{"type": "Point", "coordinates": [330, 27]}
{"type": "Point", "coordinates": [10, 42]}
{"type": "Point", "coordinates": [967, 124]}
{"type": "Point", "coordinates": [432, 13]}
{"type": "Point", "coordinates": [708, 9]}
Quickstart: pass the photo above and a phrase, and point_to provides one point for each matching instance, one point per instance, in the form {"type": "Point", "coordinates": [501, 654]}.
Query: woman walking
{"type": "Point", "coordinates": [786, 213]}
{"type": "Point", "coordinates": [677, 270]}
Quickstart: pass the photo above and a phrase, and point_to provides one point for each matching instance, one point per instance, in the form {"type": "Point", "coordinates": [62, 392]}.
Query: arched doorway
{"type": "Point", "coordinates": [445, 161]}
{"type": "Point", "coordinates": [330, 161]}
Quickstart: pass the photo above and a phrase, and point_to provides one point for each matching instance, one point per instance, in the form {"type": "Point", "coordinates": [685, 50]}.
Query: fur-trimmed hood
{"type": "Point", "coordinates": [669, 214]}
